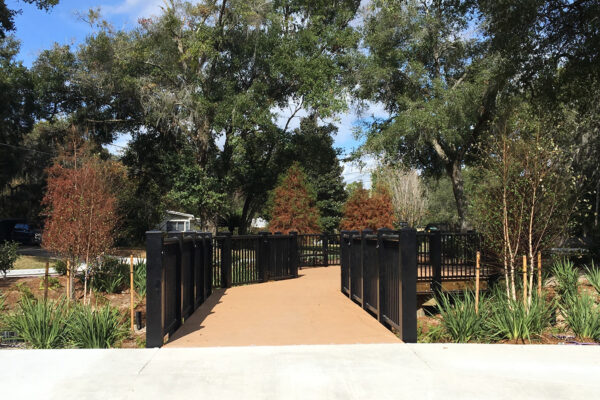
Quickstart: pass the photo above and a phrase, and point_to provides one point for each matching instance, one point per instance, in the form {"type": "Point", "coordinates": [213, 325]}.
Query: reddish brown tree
{"type": "Point", "coordinates": [80, 210]}
{"type": "Point", "coordinates": [293, 204]}
{"type": "Point", "coordinates": [364, 211]}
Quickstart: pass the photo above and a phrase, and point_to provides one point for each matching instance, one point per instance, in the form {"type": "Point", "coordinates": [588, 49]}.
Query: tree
{"type": "Point", "coordinates": [364, 211]}
{"type": "Point", "coordinates": [7, 15]}
{"type": "Point", "coordinates": [526, 200]}
{"type": "Point", "coordinates": [437, 82]}
{"type": "Point", "coordinates": [293, 204]}
{"type": "Point", "coordinates": [80, 210]}
{"type": "Point", "coordinates": [408, 194]}
{"type": "Point", "coordinates": [312, 147]}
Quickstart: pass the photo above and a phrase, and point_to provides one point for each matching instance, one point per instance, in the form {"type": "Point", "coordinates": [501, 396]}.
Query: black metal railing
{"type": "Point", "coordinates": [379, 272]}
{"type": "Point", "coordinates": [178, 280]}
{"type": "Point", "coordinates": [318, 250]}
{"type": "Point", "coordinates": [448, 256]}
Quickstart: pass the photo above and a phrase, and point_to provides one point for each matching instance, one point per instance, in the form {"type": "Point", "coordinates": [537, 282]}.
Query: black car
{"type": "Point", "coordinates": [19, 230]}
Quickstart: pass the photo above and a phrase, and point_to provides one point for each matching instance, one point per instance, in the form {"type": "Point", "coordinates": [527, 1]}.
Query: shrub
{"type": "Point", "coordinates": [60, 266]}
{"type": "Point", "coordinates": [593, 276]}
{"type": "Point", "coordinates": [53, 283]}
{"type": "Point", "coordinates": [139, 277]}
{"type": "Point", "coordinates": [95, 329]}
{"type": "Point", "coordinates": [582, 315]}
{"type": "Point", "coordinates": [8, 256]}
{"type": "Point", "coordinates": [111, 276]}
{"type": "Point", "coordinates": [566, 279]}
{"type": "Point", "coordinates": [459, 320]}
{"type": "Point", "coordinates": [364, 211]}
{"type": "Point", "coordinates": [42, 324]}
{"type": "Point", "coordinates": [510, 319]}
{"type": "Point", "coordinates": [24, 290]}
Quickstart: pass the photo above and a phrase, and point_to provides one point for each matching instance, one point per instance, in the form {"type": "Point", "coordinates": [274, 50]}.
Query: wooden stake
{"type": "Point", "coordinates": [539, 259]}
{"type": "Point", "coordinates": [525, 280]}
{"type": "Point", "coordinates": [69, 279]}
{"type": "Point", "coordinates": [46, 282]}
{"type": "Point", "coordinates": [131, 289]}
{"type": "Point", "coordinates": [477, 283]}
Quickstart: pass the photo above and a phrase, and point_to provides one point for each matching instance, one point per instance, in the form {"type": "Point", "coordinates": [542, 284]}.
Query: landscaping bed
{"type": "Point", "coordinates": [14, 289]}
{"type": "Point", "coordinates": [568, 312]}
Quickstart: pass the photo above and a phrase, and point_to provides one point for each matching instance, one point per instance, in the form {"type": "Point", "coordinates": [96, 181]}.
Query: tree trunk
{"type": "Point", "coordinates": [454, 171]}
{"type": "Point", "coordinates": [244, 219]}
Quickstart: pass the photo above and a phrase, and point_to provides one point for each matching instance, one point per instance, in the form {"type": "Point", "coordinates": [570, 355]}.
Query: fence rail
{"type": "Point", "coordinates": [379, 272]}
{"type": "Point", "coordinates": [319, 250]}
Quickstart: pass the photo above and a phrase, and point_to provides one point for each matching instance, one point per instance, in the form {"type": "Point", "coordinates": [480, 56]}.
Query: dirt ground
{"type": "Point", "coordinates": [13, 288]}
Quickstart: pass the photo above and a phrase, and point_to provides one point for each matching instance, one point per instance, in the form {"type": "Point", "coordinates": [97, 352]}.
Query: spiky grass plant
{"type": "Point", "coordinates": [459, 320]}
{"type": "Point", "coordinates": [567, 277]}
{"type": "Point", "coordinates": [139, 277]}
{"type": "Point", "coordinates": [96, 328]}
{"type": "Point", "coordinates": [582, 315]}
{"type": "Point", "coordinates": [41, 324]}
{"type": "Point", "coordinates": [514, 320]}
{"type": "Point", "coordinates": [592, 274]}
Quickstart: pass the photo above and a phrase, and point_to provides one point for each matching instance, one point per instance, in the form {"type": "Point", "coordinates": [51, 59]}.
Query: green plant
{"type": "Point", "coordinates": [139, 277]}
{"type": "Point", "coordinates": [8, 256]}
{"type": "Point", "coordinates": [60, 266]}
{"type": "Point", "coordinates": [582, 315]}
{"type": "Point", "coordinates": [459, 320]}
{"type": "Point", "coordinates": [434, 334]}
{"type": "Point", "coordinates": [110, 276]}
{"type": "Point", "coordinates": [567, 277]}
{"type": "Point", "coordinates": [513, 320]}
{"type": "Point", "coordinates": [53, 283]}
{"type": "Point", "coordinates": [24, 290]}
{"type": "Point", "coordinates": [42, 324]}
{"type": "Point", "coordinates": [95, 328]}
{"type": "Point", "coordinates": [593, 276]}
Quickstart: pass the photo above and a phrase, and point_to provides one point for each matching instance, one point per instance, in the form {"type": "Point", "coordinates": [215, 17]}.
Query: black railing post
{"type": "Point", "coordinates": [343, 262]}
{"type": "Point", "coordinates": [226, 261]}
{"type": "Point", "coordinates": [408, 287]}
{"type": "Point", "coordinates": [363, 264]}
{"type": "Point", "coordinates": [380, 262]}
{"type": "Point", "coordinates": [325, 243]}
{"type": "Point", "coordinates": [294, 256]}
{"type": "Point", "coordinates": [208, 263]}
{"type": "Point", "coordinates": [179, 275]}
{"type": "Point", "coordinates": [435, 260]}
{"type": "Point", "coordinates": [263, 256]}
{"type": "Point", "coordinates": [351, 289]}
{"type": "Point", "coordinates": [154, 285]}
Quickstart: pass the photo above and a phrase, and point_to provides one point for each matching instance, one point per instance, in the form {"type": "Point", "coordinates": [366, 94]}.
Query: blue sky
{"type": "Point", "coordinates": [38, 30]}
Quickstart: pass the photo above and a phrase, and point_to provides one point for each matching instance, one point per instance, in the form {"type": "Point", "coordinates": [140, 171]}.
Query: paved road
{"type": "Point", "coordinates": [378, 371]}
{"type": "Point", "coordinates": [307, 310]}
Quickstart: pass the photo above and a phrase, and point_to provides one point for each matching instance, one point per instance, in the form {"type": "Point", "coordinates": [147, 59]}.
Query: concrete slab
{"type": "Point", "coordinates": [306, 310]}
{"type": "Point", "coordinates": [376, 371]}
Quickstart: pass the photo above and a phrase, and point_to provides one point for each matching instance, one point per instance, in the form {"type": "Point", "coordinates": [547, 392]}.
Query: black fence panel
{"type": "Point", "coordinates": [178, 280]}
{"type": "Point", "coordinates": [381, 272]}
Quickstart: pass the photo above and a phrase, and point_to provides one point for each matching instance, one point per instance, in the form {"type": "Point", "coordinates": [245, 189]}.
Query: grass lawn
{"type": "Point", "coordinates": [32, 262]}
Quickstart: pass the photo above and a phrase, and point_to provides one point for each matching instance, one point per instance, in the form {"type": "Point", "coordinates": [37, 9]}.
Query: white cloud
{"type": "Point", "coordinates": [135, 8]}
{"type": "Point", "coordinates": [359, 172]}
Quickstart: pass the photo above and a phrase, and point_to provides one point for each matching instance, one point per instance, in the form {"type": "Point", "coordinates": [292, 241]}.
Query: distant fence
{"type": "Point", "coordinates": [318, 250]}
{"type": "Point", "coordinates": [379, 272]}
{"type": "Point", "coordinates": [448, 256]}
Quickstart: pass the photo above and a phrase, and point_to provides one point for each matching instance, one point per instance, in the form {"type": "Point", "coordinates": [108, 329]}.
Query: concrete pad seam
{"type": "Point", "coordinates": [149, 360]}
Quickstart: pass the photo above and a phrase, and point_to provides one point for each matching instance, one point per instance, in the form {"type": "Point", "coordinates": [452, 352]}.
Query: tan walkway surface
{"type": "Point", "coordinates": [307, 310]}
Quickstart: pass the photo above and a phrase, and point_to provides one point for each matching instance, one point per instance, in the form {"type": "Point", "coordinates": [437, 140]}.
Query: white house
{"type": "Point", "coordinates": [177, 221]}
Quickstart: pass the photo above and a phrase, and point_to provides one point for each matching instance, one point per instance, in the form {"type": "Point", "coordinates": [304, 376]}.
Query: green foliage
{"type": "Point", "coordinates": [434, 334]}
{"type": "Point", "coordinates": [99, 328]}
{"type": "Point", "coordinates": [513, 320]}
{"type": "Point", "coordinates": [111, 276]}
{"type": "Point", "coordinates": [582, 315]}
{"type": "Point", "coordinates": [593, 276]}
{"type": "Point", "coordinates": [567, 277]}
{"type": "Point", "coordinates": [459, 320]}
{"type": "Point", "coordinates": [60, 266]}
{"type": "Point", "coordinates": [53, 283]}
{"type": "Point", "coordinates": [8, 256]}
{"type": "Point", "coordinates": [42, 324]}
{"type": "Point", "coordinates": [24, 291]}
{"type": "Point", "coordinates": [139, 277]}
